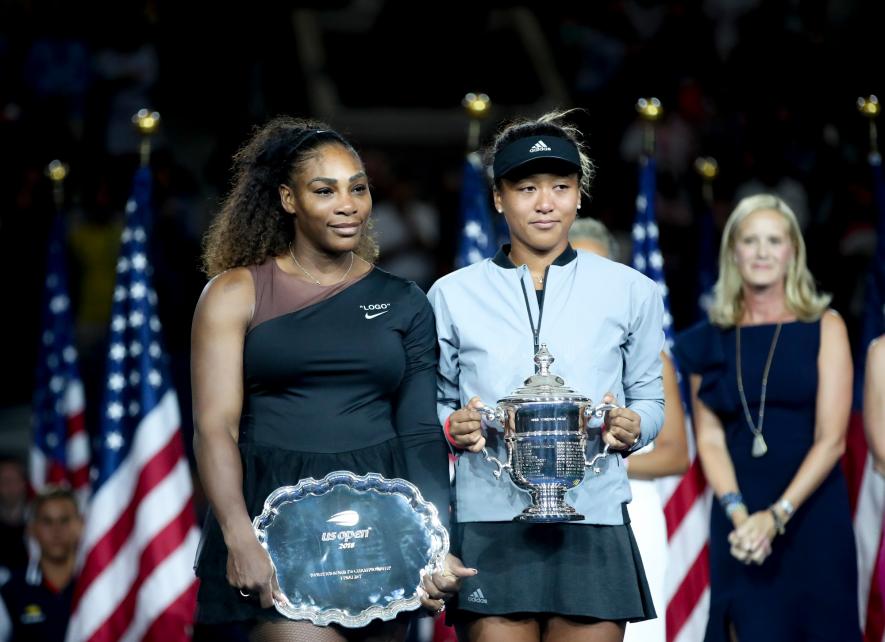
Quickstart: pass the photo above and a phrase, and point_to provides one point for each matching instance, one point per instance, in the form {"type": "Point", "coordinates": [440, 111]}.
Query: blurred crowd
{"type": "Point", "coordinates": [768, 89]}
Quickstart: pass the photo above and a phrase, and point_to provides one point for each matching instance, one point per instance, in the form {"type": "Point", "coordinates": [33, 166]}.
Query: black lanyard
{"type": "Point", "coordinates": [536, 331]}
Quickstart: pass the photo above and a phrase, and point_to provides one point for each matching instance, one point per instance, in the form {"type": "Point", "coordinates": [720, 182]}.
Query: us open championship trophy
{"type": "Point", "coordinates": [545, 433]}
{"type": "Point", "coordinates": [348, 548]}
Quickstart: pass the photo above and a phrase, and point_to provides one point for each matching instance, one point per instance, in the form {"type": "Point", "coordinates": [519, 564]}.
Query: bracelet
{"type": "Point", "coordinates": [787, 507]}
{"type": "Point", "coordinates": [778, 522]}
{"type": "Point", "coordinates": [733, 507]}
{"type": "Point", "coordinates": [449, 438]}
{"type": "Point", "coordinates": [732, 502]}
{"type": "Point", "coordinates": [731, 498]}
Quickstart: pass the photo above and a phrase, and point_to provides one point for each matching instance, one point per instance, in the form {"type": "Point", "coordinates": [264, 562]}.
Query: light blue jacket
{"type": "Point", "coordinates": [602, 321]}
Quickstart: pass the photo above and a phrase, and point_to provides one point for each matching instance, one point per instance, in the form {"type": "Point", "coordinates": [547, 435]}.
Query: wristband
{"type": "Point", "coordinates": [733, 507]}
{"type": "Point", "coordinates": [732, 502]}
{"type": "Point", "coordinates": [449, 438]}
{"type": "Point", "coordinates": [730, 498]}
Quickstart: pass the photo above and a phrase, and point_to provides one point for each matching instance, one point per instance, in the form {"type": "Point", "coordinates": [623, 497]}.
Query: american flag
{"type": "Point", "coordinates": [866, 487]}
{"type": "Point", "coordinates": [477, 239]}
{"type": "Point", "coordinates": [707, 258]}
{"type": "Point", "coordinates": [136, 580]}
{"type": "Point", "coordinates": [686, 499]}
{"type": "Point", "coordinates": [60, 450]}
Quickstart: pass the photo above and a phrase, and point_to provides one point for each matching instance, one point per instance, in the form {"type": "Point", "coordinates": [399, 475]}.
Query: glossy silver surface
{"type": "Point", "coordinates": [349, 549]}
{"type": "Point", "coordinates": [547, 431]}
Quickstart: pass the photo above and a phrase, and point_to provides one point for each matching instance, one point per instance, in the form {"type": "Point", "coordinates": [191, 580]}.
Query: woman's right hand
{"type": "Point", "coordinates": [465, 427]}
{"type": "Point", "coordinates": [250, 570]}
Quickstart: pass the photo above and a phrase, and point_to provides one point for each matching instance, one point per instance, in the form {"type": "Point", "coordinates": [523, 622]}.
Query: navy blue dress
{"type": "Point", "coordinates": [807, 588]}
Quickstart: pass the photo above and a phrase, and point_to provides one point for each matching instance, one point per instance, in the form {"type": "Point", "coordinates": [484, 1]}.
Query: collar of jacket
{"type": "Point", "coordinates": [502, 258]}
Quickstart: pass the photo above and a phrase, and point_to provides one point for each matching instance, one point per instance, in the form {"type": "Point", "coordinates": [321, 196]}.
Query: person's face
{"type": "Point", "coordinates": [330, 200]}
{"type": "Point", "coordinates": [763, 249]}
{"type": "Point", "coordinates": [539, 209]}
{"type": "Point", "coordinates": [591, 245]}
{"type": "Point", "coordinates": [57, 526]}
{"type": "Point", "coordinates": [13, 488]}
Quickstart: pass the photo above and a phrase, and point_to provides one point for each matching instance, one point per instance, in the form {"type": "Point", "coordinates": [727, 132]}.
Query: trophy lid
{"type": "Point", "coordinates": [544, 385]}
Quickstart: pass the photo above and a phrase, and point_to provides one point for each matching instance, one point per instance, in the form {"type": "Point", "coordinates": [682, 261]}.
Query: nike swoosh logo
{"type": "Point", "coordinates": [377, 314]}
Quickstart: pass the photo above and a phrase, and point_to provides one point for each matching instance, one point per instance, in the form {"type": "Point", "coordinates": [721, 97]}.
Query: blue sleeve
{"type": "Point", "coordinates": [424, 445]}
{"type": "Point", "coordinates": [643, 382]}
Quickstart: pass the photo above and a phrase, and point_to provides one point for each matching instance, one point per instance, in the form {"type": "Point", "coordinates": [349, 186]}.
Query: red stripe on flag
{"type": "Point", "coordinates": [690, 490]}
{"type": "Point", "coordinates": [107, 547]}
{"type": "Point", "coordinates": [688, 594]}
{"type": "Point", "coordinates": [57, 473]}
{"type": "Point", "coordinates": [79, 478]}
{"type": "Point", "coordinates": [76, 423]}
{"type": "Point", "coordinates": [175, 623]}
{"type": "Point", "coordinates": [855, 458]}
{"type": "Point", "coordinates": [165, 542]}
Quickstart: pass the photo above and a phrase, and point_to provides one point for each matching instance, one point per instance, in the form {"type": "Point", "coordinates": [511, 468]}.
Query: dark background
{"type": "Point", "coordinates": [768, 88]}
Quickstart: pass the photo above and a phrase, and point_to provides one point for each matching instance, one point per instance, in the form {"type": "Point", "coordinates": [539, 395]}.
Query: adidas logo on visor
{"type": "Point", "coordinates": [540, 146]}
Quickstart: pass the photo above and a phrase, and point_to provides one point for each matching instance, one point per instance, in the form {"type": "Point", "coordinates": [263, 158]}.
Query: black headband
{"type": "Point", "coordinates": [307, 135]}
{"type": "Point", "coordinates": [532, 148]}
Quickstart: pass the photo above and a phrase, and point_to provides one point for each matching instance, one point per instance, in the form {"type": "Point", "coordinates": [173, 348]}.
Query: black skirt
{"type": "Point", "coordinates": [577, 570]}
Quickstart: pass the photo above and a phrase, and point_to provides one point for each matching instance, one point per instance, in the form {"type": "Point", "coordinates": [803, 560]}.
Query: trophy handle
{"type": "Point", "coordinates": [597, 412]}
{"type": "Point", "coordinates": [592, 463]}
{"type": "Point", "coordinates": [495, 417]}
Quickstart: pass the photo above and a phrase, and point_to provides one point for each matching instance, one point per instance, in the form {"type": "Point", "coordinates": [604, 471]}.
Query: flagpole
{"type": "Point", "coordinates": [650, 111]}
{"type": "Point", "coordinates": [57, 172]}
{"type": "Point", "coordinates": [708, 169]}
{"type": "Point", "coordinates": [869, 107]}
{"type": "Point", "coordinates": [477, 107]}
{"type": "Point", "coordinates": [147, 122]}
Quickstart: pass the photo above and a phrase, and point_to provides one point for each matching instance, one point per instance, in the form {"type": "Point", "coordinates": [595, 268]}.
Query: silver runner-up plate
{"type": "Point", "coordinates": [349, 549]}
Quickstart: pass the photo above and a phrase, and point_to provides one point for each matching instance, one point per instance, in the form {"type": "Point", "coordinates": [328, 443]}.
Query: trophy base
{"type": "Point", "coordinates": [548, 505]}
{"type": "Point", "coordinates": [548, 518]}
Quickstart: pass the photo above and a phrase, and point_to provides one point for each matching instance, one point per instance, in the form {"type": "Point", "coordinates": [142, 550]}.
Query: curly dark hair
{"type": "Point", "coordinates": [554, 123]}
{"type": "Point", "coordinates": [252, 224]}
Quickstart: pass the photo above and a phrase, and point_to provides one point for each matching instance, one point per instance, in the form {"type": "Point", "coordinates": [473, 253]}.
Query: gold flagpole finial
{"type": "Point", "coordinates": [478, 107]}
{"type": "Point", "coordinates": [650, 111]}
{"type": "Point", "coordinates": [57, 172]}
{"type": "Point", "coordinates": [869, 107]}
{"type": "Point", "coordinates": [147, 122]}
{"type": "Point", "coordinates": [708, 169]}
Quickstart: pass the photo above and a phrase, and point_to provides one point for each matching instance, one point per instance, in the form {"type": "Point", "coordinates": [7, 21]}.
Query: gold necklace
{"type": "Point", "coordinates": [759, 445]}
{"type": "Point", "coordinates": [312, 277]}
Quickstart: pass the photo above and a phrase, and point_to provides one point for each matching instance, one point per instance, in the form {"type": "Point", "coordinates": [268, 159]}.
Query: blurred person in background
{"type": "Point", "coordinates": [771, 381]}
{"type": "Point", "coordinates": [874, 402]}
{"type": "Point", "coordinates": [667, 455]}
{"type": "Point", "coordinates": [36, 601]}
{"type": "Point", "coordinates": [13, 502]}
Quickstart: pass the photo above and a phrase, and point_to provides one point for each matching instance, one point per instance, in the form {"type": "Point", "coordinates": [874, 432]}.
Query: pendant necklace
{"type": "Point", "coordinates": [312, 277]}
{"type": "Point", "coordinates": [759, 446]}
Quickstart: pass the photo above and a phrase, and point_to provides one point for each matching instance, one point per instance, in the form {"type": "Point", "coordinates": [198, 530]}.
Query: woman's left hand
{"type": "Point", "coordinates": [622, 426]}
{"type": "Point", "coordinates": [751, 541]}
{"type": "Point", "coordinates": [438, 587]}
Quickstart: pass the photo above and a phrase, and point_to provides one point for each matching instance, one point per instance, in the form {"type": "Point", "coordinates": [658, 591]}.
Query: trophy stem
{"type": "Point", "coordinates": [548, 505]}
